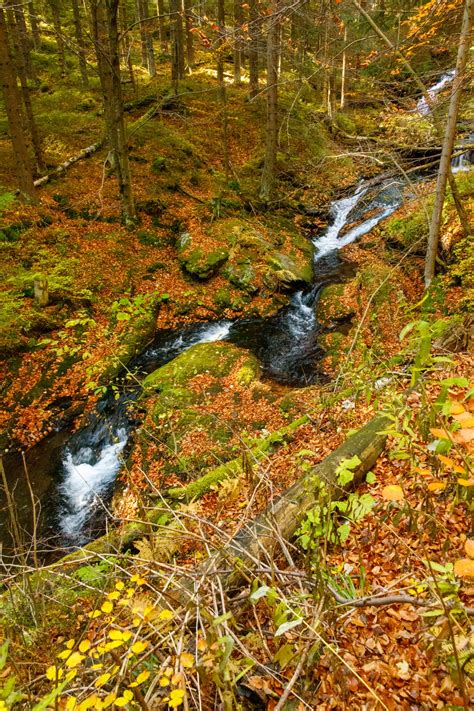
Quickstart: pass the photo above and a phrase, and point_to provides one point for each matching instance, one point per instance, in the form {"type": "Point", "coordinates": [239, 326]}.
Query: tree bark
{"type": "Point", "coordinates": [254, 32]}
{"type": "Point", "coordinates": [177, 47]}
{"type": "Point", "coordinates": [449, 137]}
{"type": "Point", "coordinates": [222, 87]}
{"type": "Point", "coordinates": [237, 42]}
{"type": "Point", "coordinates": [55, 11]}
{"type": "Point", "coordinates": [15, 116]}
{"type": "Point", "coordinates": [269, 167]}
{"type": "Point", "coordinates": [80, 43]}
{"type": "Point", "coordinates": [34, 24]}
{"type": "Point", "coordinates": [19, 46]}
{"type": "Point", "coordinates": [106, 40]}
{"type": "Point", "coordinates": [160, 6]}
{"type": "Point", "coordinates": [189, 36]}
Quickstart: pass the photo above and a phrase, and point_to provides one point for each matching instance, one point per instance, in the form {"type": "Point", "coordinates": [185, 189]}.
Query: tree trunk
{"type": "Point", "coordinates": [221, 80]}
{"type": "Point", "coordinates": [14, 111]}
{"type": "Point", "coordinates": [34, 25]}
{"type": "Point", "coordinates": [55, 10]}
{"type": "Point", "coordinates": [20, 50]}
{"type": "Point", "coordinates": [342, 101]}
{"type": "Point", "coordinates": [450, 134]}
{"type": "Point", "coordinates": [127, 54]}
{"type": "Point", "coordinates": [269, 167]}
{"type": "Point", "coordinates": [150, 57]}
{"type": "Point", "coordinates": [237, 42]}
{"type": "Point", "coordinates": [80, 43]}
{"type": "Point", "coordinates": [189, 36]}
{"type": "Point", "coordinates": [254, 32]}
{"type": "Point", "coordinates": [177, 48]}
{"type": "Point", "coordinates": [160, 6]}
{"type": "Point", "coordinates": [105, 31]}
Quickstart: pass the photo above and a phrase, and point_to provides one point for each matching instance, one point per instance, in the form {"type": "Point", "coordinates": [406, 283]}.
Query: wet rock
{"type": "Point", "coordinates": [198, 261]}
{"type": "Point", "coordinates": [332, 307]}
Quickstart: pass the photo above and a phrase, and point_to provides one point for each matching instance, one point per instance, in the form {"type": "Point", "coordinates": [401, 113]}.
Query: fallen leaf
{"type": "Point", "coordinates": [469, 547]}
{"type": "Point", "coordinates": [464, 568]}
{"type": "Point", "coordinates": [437, 486]}
{"type": "Point", "coordinates": [393, 492]}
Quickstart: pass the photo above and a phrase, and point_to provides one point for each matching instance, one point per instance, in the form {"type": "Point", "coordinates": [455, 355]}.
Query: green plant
{"type": "Point", "coordinates": [8, 695]}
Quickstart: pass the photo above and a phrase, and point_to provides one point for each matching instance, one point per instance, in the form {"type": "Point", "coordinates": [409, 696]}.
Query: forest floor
{"type": "Point", "coordinates": [306, 626]}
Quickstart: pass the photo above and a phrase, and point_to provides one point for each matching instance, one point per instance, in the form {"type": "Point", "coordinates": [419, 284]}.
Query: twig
{"type": "Point", "coordinates": [293, 679]}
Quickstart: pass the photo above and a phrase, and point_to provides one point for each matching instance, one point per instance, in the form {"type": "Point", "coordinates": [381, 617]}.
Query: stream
{"type": "Point", "coordinates": [73, 475]}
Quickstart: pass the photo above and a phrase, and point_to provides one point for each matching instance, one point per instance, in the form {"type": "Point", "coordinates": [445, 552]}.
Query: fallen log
{"type": "Point", "coordinates": [67, 164]}
{"type": "Point", "coordinates": [259, 539]}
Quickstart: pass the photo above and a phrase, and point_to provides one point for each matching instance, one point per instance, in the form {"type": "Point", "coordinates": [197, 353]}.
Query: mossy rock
{"type": "Point", "coordinates": [216, 359]}
{"type": "Point", "coordinates": [289, 272]}
{"type": "Point", "coordinates": [242, 276]}
{"type": "Point", "coordinates": [331, 306]}
{"type": "Point", "coordinates": [197, 261]}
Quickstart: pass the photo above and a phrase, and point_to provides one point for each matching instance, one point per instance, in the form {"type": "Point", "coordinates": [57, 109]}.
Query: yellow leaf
{"type": "Point", "coordinates": [71, 704]}
{"type": "Point", "coordinates": [469, 547]}
{"type": "Point", "coordinates": [166, 615]}
{"type": "Point", "coordinates": [107, 606]}
{"type": "Point", "coordinates": [176, 698]}
{"type": "Point", "coordinates": [94, 613]}
{"type": "Point", "coordinates": [114, 595]}
{"type": "Point", "coordinates": [123, 700]}
{"type": "Point", "coordinates": [466, 482]}
{"type": "Point", "coordinates": [90, 703]}
{"type": "Point", "coordinates": [465, 419]}
{"type": "Point", "coordinates": [202, 644]}
{"type": "Point", "coordinates": [119, 585]}
{"type": "Point", "coordinates": [393, 492]}
{"type": "Point", "coordinates": [74, 659]}
{"type": "Point", "coordinates": [109, 700]}
{"type": "Point", "coordinates": [85, 645]}
{"type": "Point", "coordinates": [423, 472]}
{"type": "Point", "coordinates": [54, 673]}
{"type": "Point", "coordinates": [437, 486]}
{"type": "Point", "coordinates": [113, 645]}
{"type": "Point", "coordinates": [164, 681]}
{"type": "Point", "coordinates": [176, 679]}
{"type": "Point", "coordinates": [187, 660]}
{"type": "Point", "coordinates": [464, 568]}
{"type": "Point", "coordinates": [440, 434]}
{"type": "Point", "coordinates": [102, 679]}
{"type": "Point", "coordinates": [455, 408]}
{"type": "Point", "coordinates": [120, 634]}
{"type": "Point", "coordinates": [450, 463]}
{"type": "Point", "coordinates": [141, 678]}
{"type": "Point", "coordinates": [70, 643]}
{"type": "Point", "coordinates": [139, 647]}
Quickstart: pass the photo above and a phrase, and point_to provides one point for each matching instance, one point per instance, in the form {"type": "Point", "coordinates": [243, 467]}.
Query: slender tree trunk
{"type": "Point", "coordinates": [140, 11]}
{"type": "Point", "coordinates": [150, 56]}
{"type": "Point", "coordinates": [342, 102]}
{"type": "Point", "coordinates": [80, 43]}
{"type": "Point", "coordinates": [177, 48]}
{"type": "Point", "coordinates": [56, 13]}
{"type": "Point", "coordinates": [127, 54]}
{"type": "Point", "coordinates": [448, 143]}
{"type": "Point", "coordinates": [254, 32]}
{"type": "Point", "coordinates": [106, 39]}
{"type": "Point", "coordinates": [14, 111]}
{"type": "Point", "coordinates": [221, 80]}
{"type": "Point", "coordinates": [189, 36]}
{"type": "Point", "coordinates": [25, 40]}
{"type": "Point", "coordinates": [34, 25]}
{"type": "Point", "coordinates": [237, 42]}
{"type": "Point", "coordinates": [20, 50]}
{"type": "Point", "coordinates": [269, 167]}
{"type": "Point", "coordinates": [160, 6]}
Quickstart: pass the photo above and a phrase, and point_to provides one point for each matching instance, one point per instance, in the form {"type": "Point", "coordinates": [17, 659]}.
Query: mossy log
{"type": "Point", "coordinates": [235, 467]}
{"type": "Point", "coordinates": [260, 538]}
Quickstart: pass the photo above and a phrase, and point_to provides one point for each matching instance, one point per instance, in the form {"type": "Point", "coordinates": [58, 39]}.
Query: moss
{"type": "Point", "coordinates": [331, 307]}
{"type": "Point", "coordinates": [259, 449]}
{"type": "Point", "coordinates": [197, 261]}
{"type": "Point", "coordinates": [216, 359]}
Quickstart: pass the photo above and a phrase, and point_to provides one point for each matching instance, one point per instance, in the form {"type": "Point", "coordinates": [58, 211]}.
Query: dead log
{"type": "Point", "coordinates": [67, 164]}
{"type": "Point", "coordinates": [260, 538]}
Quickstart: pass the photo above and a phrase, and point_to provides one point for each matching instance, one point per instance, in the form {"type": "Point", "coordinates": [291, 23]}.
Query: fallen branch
{"type": "Point", "coordinates": [261, 536]}
{"type": "Point", "coordinates": [67, 164]}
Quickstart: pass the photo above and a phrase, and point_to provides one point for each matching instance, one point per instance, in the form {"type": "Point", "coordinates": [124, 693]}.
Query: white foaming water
{"type": "Point", "coordinates": [84, 483]}
{"type": "Point", "coordinates": [422, 105]}
{"type": "Point", "coordinates": [340, 209]}
{"type": "Point", "coordinates": [218, 331]}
